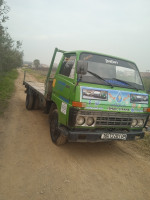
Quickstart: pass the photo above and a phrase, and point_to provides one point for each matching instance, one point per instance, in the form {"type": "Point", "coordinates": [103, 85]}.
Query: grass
{"type": "Point", "coordinates": [36, 73]}
{"type": "Point", "coordinates": [7, 87]}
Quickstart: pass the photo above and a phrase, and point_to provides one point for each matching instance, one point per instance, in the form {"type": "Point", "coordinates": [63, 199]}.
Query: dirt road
{"type": "Point", "coordinates": [33, 168]}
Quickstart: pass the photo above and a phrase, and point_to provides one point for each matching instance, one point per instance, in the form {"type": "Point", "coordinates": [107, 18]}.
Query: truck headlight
{"type": "Point", "coordinates": [140, 122]}
{"type": "Point", "coordinates": [90, 121]}
{"type": "Point", "coordinates": [134, 122]}
{"type": "Point", "coordinates": [80, 120]}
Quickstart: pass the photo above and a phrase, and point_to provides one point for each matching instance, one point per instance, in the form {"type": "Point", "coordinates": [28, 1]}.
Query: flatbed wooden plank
{"type": "Point", "coordinates": [39, 87]}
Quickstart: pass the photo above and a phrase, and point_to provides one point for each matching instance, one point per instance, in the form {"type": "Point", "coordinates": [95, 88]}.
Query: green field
{"type": "Point", "coordinates": [7, 87]}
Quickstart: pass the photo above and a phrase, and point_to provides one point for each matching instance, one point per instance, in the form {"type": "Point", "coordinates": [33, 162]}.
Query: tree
{"type": "Point", "coordinates": [36, 63]}
{"type": "Point", "coordinates": [10, 54]}
{"type": "Point", "coordinates": [3, 11]}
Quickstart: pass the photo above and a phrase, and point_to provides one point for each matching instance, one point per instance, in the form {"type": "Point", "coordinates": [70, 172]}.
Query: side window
{"type": "Point", "coordinates": [68, 65]}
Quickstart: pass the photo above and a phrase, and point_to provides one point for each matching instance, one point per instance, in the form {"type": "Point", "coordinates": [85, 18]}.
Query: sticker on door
{"type": "Point", "coordinates": [64, 108]}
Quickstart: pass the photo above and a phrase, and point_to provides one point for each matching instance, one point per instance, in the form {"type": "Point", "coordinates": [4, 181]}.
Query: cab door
{"type": "Point", "coordinates": [64, 85]}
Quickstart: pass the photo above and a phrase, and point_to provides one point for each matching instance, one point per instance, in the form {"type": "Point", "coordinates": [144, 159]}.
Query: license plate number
{"type": "Point", "coordinates": [113, 136]}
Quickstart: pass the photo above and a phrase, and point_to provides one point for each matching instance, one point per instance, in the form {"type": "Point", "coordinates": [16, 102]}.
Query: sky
{"type": "Point", "coordinates": [120, 28]}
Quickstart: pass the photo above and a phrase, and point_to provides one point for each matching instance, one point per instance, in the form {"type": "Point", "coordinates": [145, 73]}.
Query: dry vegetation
{"type": "Point", "coordinates": [40, 74]}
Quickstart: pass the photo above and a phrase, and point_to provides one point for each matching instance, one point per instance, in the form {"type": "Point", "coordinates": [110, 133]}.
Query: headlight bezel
{"type": "Point", "coordinates": [140, 120]}
{"type": "Point", "coordinates": [86, 123]}
{"type": "Point", "coordinates": [88, 118]}
{"type": "Point", "coordinates": [77, 120]}
{"type": "Point", "coordinates": [138, 124]}
{"type": "Point", "coordinates": [134, 123]}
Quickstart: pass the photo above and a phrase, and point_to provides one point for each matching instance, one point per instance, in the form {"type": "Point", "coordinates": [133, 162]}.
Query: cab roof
{"type": "Point", "coordinates": [78, 52]}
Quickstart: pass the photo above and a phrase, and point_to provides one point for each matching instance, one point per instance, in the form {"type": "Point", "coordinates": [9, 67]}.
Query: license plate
{"type": "Point", "coordinates": [113, 136]}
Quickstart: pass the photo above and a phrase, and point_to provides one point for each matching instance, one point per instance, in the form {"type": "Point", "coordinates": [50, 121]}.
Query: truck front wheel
{"type": "Point", "coordinates": [57, 137]}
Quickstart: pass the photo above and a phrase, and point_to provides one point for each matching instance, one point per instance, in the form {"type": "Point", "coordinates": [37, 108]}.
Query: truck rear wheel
{"type": "Point", "coordinates": [36, 102]}
{"type": "Point", "coordinates": [29, 101]}
{"type": "Point", "coordinates": [57, 137]}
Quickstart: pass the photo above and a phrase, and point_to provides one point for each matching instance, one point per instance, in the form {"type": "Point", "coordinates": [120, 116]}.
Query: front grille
{"type": "Point", "coordinates": [112, 119]}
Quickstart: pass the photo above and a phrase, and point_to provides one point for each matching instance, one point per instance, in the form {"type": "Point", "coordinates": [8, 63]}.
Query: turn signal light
{"type": "Point", "coordinates": [78, 104]}
{"type": "Point", "coordinates": [54, 81]}
{"type": "Point", "coordinates": [146, 109]}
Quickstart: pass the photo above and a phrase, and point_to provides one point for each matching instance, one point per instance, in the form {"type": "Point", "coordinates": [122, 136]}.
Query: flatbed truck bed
{"type": "Point", "coordinates": [35, 86]}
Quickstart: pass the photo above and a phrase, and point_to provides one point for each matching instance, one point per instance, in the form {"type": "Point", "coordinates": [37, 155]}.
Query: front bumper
{"type": "Point", "coordinates": [95, 135]}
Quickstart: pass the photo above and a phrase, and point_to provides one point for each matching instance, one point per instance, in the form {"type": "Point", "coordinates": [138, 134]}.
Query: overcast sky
{"type": "Point", "coordinates": [119, 27]}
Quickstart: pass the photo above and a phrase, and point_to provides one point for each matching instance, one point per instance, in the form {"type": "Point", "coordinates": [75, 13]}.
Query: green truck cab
{"type": "Point", "coordinates": [92, 97]}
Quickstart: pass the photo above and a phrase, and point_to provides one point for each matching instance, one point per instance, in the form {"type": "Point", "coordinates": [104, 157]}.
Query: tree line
{"type": "Point", "coordinates": [11, 55]}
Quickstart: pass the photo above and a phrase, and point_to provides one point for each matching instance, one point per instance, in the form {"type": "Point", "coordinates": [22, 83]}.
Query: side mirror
{"type": "Point", "coordinates": [82, 67]}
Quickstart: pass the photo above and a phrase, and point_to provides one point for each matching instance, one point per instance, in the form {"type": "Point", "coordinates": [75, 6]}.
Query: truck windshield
{"type": "Point", "coordinates": [115, 71]}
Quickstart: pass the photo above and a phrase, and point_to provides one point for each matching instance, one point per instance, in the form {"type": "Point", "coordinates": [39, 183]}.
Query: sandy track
{"type": "Point", "coordinates": [33, 168]}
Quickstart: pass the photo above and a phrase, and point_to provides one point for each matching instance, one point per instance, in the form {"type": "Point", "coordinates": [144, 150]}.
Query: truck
{"type": "Point", "coordinates": [91, 97]}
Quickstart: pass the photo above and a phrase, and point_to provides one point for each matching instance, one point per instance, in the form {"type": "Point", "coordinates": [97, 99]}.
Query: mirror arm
{"type": "Point", "coordinates": [79, 79]}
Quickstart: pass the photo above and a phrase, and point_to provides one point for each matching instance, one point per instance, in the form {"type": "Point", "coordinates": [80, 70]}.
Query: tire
{"type": "Point", "coordinates": [29, 101]}
{"type": "Point", "coordinates": [57, 137]}
{"type": "Point", "coordinates": [36, 102]}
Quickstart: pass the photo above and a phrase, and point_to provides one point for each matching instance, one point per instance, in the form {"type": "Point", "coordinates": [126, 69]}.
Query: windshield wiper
{"type": "Point", "coordinates": [99, 77]}
{"type": "Point", "coordinates": [126, 83]}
